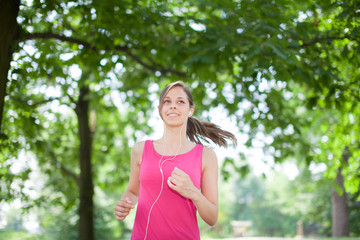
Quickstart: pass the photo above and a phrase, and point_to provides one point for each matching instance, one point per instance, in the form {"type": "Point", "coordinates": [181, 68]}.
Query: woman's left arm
{"type": "Point", "coordinates": [206, 199]}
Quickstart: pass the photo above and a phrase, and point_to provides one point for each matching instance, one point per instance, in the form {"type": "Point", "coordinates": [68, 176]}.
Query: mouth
{"type": "Point", "coordinates": [172, 115]}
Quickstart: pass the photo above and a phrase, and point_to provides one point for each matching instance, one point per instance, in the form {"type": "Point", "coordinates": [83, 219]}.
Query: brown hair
{"type": "Point", "coordinates": [200, 130]}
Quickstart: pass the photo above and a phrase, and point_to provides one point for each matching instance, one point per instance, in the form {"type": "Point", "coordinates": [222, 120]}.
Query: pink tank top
{"type": "Point", "coordinates": [173, 216]}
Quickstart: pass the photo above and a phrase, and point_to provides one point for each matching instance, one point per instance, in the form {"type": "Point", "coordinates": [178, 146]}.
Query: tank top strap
{"type": "Point", "coordinates": [199, 148]}
{"type": "Point", "coordinates": [148, 150]}
{"type": "Point", "coordinates": [197, 154]}
{"type": "Point", "coordinates": [147, 145]}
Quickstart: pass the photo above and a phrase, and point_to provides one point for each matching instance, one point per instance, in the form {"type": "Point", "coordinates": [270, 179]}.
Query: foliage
{"type": "Point", "coordinates": [287, 70]}
{"type": "Point", "coordinates": [259, 52]}
{"type": "Point", "coordinates": [266, 204]}
{"type": "Point", "coordinates": [63, 225]}
{"type": "Point", "coordinates": [223, 227]}
{"type": "Point", "coordinates": [317, 193]}
{"type": "Point", "coordinates": [14, 220]}
{"type": "Point", "coordinates": [312, 193]}
{"type": "Point", "coordinates": [16, 235]}
{"type": "Point", "coordinates": [59, 225]}
{"type": "Point", "coordinates": [318, 214]}
{"type": "Point", "coordinates": [275, 205]}
{"type": "Point", "coordinates": [354, 207]}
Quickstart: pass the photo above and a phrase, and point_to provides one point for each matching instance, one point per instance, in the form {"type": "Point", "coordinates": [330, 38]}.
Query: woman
{"type": "Point", "coordinates": [173, 177]}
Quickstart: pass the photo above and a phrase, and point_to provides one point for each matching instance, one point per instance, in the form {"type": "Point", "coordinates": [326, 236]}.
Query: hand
{"type": "Point", "coordinates": [122, 208]}
{"type": "Point", "coordinates": [180, 182]}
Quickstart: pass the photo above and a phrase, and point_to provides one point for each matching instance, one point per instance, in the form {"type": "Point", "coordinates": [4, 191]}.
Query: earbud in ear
{"type": "Point", "coordinates": [190, 114]}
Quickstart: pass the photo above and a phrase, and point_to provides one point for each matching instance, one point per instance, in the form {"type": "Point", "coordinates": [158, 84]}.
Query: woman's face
{"type": "Point", "coordinates": [175, 108]}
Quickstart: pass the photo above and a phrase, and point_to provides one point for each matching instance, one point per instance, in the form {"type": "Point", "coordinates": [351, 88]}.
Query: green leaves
{"type": "Point", "coordinates": [285, 69]}
{"type": "Point", "coordinates": [229, 166]}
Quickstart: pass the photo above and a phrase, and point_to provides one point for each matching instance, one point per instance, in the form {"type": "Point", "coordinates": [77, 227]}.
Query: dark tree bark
{"type": "Point", "coordinates": [86, 208]}
{"type": "Point", "coordinates": [9, 10]}
{"type": "Point", "coordinates": [340, 211]}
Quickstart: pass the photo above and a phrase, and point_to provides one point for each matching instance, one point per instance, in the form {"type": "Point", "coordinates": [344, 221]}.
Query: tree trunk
{"type": "Point", "coordinates": [340, 212]}
{"type": "Point", "coordinates": [9, 10]}
{"type": "Point", "coordinates": [86, 209]}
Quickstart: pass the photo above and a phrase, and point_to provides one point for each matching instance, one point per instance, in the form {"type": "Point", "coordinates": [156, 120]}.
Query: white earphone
{"type": "Point", "coordinates": [162, 175]}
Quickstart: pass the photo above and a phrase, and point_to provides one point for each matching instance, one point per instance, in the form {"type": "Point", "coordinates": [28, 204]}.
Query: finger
{"type": "Point", "coordinates": [176, 182]}
{"type": "Point", "coordinates": [173, 181]}
{"type": "Point", "coordinates": [119, 218]}
{"type": "Point", "coordinates": [122, 214]}
{"type": "Point", "coordinates": [126, 199]}
{"type": "Point", "coordinates": [126, 203]}
{"type": "Point", "coordinates": [176, 174]}
{"type": "Point", "coordinates": [170, 184]}
{"type": "Point", "coordinates": [121, 208]}
{"type": "Point", "coordinates": [120, 203]}
{"type": "Point", "coordinates": [178, 170]}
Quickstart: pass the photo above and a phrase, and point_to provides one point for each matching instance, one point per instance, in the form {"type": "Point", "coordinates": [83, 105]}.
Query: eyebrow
{"type": "Point", "coordinates": [176, 98]}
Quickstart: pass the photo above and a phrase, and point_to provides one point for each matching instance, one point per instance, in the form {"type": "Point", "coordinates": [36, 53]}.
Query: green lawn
{"type": "Point", "coordinates": [345, 238]}
{"type": "Point", "coordinates": [12, 235]}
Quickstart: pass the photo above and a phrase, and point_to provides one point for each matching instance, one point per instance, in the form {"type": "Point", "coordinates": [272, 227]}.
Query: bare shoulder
{"type": "Point", "coordinates": [137, 151]}
{"type": "Point", "coordinates": [209, 157]}
{"type": "Point", "coordinates": [139, 147]}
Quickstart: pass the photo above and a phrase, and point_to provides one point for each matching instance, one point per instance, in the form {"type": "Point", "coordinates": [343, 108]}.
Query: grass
{"type": "Point", "coordinates": [22, 235]}
{"type": "Point", "coordinates": [342, 238]}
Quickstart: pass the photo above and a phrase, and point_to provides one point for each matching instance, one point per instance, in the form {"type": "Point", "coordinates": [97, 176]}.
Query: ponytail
{"type": "Point", "coordinates": [200, 130]}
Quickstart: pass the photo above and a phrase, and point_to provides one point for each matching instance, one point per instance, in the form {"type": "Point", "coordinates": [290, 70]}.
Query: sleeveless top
{"type": "Point", "coordinates": [173, 216]}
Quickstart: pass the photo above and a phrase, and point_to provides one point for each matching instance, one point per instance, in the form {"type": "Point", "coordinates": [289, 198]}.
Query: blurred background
{"type": "Point", "coordinates": [80, 82]}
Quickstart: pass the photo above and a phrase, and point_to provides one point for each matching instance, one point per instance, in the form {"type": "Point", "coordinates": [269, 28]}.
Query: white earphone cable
{"type": "Point", "coordinates": [162, 174]}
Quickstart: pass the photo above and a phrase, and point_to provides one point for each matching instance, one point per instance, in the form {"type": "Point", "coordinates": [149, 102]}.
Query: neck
{"type": "Point", "coordinates": [175, 135]}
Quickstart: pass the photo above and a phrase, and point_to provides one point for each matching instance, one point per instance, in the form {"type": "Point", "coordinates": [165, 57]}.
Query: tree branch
{"type": "Point", "coordinates": [36, 104]}
{"type": "Point", "coordinates": [326, 39]}
{"type": "Point", "coordinates": [30, 36]}
{"type": "Point", "coordinates": [58, 164]}
{"type": "Point", "coordinates": [156, 67]}
{"type": "Point", "coordinates": [71, 98]}
{"type": "Point", "coordinates": [44, 101]}
{"type": "Point", "coordinates": [125, 49]}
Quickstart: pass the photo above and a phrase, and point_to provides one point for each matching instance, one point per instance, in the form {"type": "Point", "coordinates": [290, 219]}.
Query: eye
{"type": "Point", "coordinates": [166, 101]}
{"type": "Point", "coordinates": [181, 101]}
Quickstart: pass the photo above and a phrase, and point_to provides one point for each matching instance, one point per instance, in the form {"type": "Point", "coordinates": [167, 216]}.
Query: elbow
{"type": "Point", "coordinates": [212, 222]}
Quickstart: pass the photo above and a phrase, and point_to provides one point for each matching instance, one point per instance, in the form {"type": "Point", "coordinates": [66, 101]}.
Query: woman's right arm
{"type": "Point", "coordinates": [130, 196]}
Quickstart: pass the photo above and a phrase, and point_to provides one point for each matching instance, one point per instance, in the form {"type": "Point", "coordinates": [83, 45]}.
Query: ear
{"type": "Point", "coordinates": [159, 111]}
{"type": "Point", "coordinates": [192, 109]}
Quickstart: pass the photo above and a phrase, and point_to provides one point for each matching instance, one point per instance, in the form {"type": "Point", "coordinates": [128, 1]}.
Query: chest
{"type": "Point", "coordinates": [154, 170]}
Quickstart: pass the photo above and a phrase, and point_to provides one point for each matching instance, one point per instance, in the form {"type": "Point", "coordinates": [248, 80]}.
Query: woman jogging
{"type": "Point", "coordinates": [175, 176]}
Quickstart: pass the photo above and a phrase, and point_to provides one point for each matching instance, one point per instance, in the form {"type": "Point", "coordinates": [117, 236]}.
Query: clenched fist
{"type": "Point", "coordinates": [122, 208]}
{"type": "Point", "coordinates": [182, 184]}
